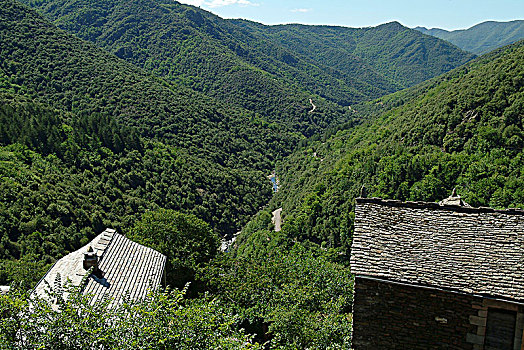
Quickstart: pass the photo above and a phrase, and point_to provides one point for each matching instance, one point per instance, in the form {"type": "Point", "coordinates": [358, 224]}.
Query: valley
{"type": "Point", "coordinates": [162, 121]}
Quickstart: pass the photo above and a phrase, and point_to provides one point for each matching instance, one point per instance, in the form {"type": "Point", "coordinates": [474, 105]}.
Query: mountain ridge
{"type": "Point", "coordinates": [241, 58]}
{"type": "Point", "coordinates": [88, 141]}
{"type": "Point", "coordinates": [481, 38]}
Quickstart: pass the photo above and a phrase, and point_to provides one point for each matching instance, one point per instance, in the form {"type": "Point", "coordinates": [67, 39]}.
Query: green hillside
{"type": "Point", "coordinates": [64, 178]}
{"type": "Point", "coordinates": [272, 70]}
{"type": "Point", "coordinates": [462, 130]}
{"type": "Point", "coordinates": [400, 55]}
{"type": "Point", "coordinates": [164, 125]}
{"type": "Point", "coordinates": [89, 141]}
{"type": "Point", "coordinates": [73, 75]}
{"type": "Point", "coordinates": [481, 38]}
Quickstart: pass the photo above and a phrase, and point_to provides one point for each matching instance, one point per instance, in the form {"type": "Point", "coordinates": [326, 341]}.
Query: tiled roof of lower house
{"type": "Point", "coordinates": [477, 251]}
{"type": "Point", "coordinates": [124, 268]}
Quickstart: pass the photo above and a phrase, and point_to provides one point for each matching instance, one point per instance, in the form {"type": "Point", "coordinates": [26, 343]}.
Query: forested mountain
{"type": "Point", "coordinates": [463, 130]}
{"type": "Point", "coordinates": [164, 125]}
{"type": "Point", "coordinates": [73, 75]}
{"type": "Point", "coordinates": [272, 70]}
{"type": "Point", "coordinates": [90, 141]}
{"type": "Point", "coordinates": [66, 177]}
{"type": "Point", "coordinates": [390, 51]}
{"type": "Point", "coordinates": [481, 38]}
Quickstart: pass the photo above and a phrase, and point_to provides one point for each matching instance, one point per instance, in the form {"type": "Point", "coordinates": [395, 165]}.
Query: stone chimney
{"type": "Point", "coordinates": [363, 192]}
{"type": "Point", "coordinates": [454, 199]}
{"type": "Point", "coordinates": [90, 259]}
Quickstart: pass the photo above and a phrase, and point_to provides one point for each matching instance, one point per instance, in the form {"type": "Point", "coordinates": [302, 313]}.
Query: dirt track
{"type": "Point", "coordinates": [277, 219]}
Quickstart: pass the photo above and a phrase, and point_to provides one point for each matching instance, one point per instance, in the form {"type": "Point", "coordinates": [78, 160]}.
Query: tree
{"type": "Point", "coordinates": [293, 295]}
{"type": "Point", "coordinates": [186, 240]}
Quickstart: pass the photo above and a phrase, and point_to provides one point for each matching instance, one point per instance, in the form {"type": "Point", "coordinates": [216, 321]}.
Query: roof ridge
{"type": "Point", "coordinates": [121, 263]}
{"type": "Point", "coordinates": [474, 250]}
{"type": "Point", "coordinates": [434, 205]}
{"type": "Point", "coordinates": [104, 241]}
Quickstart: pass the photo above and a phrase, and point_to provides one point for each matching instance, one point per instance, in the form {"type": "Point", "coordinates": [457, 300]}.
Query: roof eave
{"type": "Point", "coordinates": [441, 289]}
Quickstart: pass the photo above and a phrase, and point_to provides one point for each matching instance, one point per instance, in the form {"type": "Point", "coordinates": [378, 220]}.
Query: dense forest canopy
{"type": "Point", "coordinates": [375, 60]}
{"type": "Point", "coordinates": [481, 38]}
{"type": "Point", "coordinates": [90, 141]}
{"type": "Point", "coordinates": [461, 130]}
{"type": "Point", "coordinates": [271, 70]}
{"type": "Point", "coordinates": [72, 75]}
{"type": "Point", "coordinates": [164, 121]}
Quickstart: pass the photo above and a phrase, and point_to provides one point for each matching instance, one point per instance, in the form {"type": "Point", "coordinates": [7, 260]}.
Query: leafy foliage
{"type": "Point", "coordinates": [164, 320]}
{"type": "Point", "coordinates": [272, 70]}
{"type": "Point", "coordinates": [191, 48]}
{"type": "Point", "coordinates": [88, 140]}
{"type": "Point", "coordinates": [77, 153]}
{"type": "Point", "coordinates": [187, 241]}
{"type": "Point", "coordinates": [99, 174]}
{"type": "Point", "coordinates": [50, 207]}
{"type": "Point", "coordinates": [78, 78]}
{"type": "Point", "coordinates": [372, 61]}
{"type": "Point", "coordinates": [461, 130]}
{"type": "Point", "coordinates": [293, 296]}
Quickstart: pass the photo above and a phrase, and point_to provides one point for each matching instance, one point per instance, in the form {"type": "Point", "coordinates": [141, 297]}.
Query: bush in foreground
{"type": "Point", "coordinates": [164, 320]}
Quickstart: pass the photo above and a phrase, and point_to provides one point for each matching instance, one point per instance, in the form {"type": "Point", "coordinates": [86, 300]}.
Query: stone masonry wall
{"type": "Point", "coordinates": [390, 316]}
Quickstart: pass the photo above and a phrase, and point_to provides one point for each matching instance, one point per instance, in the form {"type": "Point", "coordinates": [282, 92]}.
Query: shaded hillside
{"type": "Point", "coordinates": [481, 38]}
{"type": "Point", "coordinates": [73, 75]}
{"type": "Point", "coordinates": [464, 130]}
{"type": "Point", "coordinates": [66, 177]}
{"type": "Point", "coordinates": [88, 141]}
{"type": "Point", "coordinates": [270, 70]}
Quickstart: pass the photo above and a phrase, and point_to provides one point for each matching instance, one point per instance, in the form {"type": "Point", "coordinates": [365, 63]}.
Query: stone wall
{"type": "Point", "coordinates": [391, 316]}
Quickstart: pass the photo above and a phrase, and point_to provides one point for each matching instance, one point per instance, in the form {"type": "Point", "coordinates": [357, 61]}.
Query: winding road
{"type": "Point", "coordinates": [314, 107]}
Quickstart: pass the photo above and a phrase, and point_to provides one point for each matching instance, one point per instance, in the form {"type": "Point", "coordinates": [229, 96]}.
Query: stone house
{"type": "Point", "coordinates": [437, 276]}
{"type": "Point", "coordinates": [110, 266]}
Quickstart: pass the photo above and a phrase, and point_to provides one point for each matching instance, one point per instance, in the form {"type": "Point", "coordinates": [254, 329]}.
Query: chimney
{"type": "Point", "coordinates": [454, 199]}
{"type": "Point", "coordinates": [363, 192]}
{"type": "Point", "coordinates": [90, 259]}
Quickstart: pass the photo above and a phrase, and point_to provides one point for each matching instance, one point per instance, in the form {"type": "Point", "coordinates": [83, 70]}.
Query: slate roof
{"type": "Point", "coordinates": [477, 251]}
{"type": "Point", "coordinates": [128, 268]}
